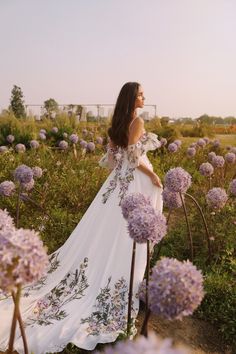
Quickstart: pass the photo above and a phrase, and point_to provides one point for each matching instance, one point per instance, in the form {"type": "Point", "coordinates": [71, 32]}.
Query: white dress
{"type": "Point", "coordinates": [83, 297]}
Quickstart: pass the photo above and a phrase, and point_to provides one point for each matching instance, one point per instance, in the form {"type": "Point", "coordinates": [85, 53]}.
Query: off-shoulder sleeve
{"type": "Point", "coordinates": [134, 152]}
{"type": "Point", "coordinates": [151, 142]}
{"type": "Point", "coordinates": [108, 159]}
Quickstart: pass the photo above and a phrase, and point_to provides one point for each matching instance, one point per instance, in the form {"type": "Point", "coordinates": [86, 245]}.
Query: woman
{"type": "Point", "coordinates": [83, 297]}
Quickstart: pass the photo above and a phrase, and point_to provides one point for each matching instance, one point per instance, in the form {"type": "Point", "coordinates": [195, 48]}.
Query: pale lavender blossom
{"type": "Point", "coordinates": [54, 130]}
{"type": "Point", "coordinates": [74, 138]}
{"type": "Point", "coordinates": [20, 148]}
{"type": "Point", "coordinates": [206, 139]}
{"type": "Point", "coordinates": [100, 140]}
{"type": "Point", "coordinates": [191, 151]}
{"type": "Point", "coordinates": [23, 174]}
{"type": "Point", "coordinates": [232, 187]}
{"type": "Point", "coordinates": [90, 146]}
{"type": "Point", "coordinates": [7, 188]}
{"type": "Point", "coordinates": [65, 135]}
{"type": "Point", "coordinates": [206, 169]}
{"type": "Point", "coordinates": [178, 180]}
{"type": "Point", "coordinates": [171, 200]}
{"type": "Point", "coordinates": [218, 161]}
{"type": "Point", "coordinates": [172, 147]}
{"type": "Point", "coordinates": [42, 136]}
{"type": "Point", "coordinates": [201, 142]}
{"type": "Point", "coordinates": [133, 201]}
{"type": "Point", "coordinates": [34, 144]}
{"type": "Point", "coordinates": [43, 131]}
{"type": "Point", "coordinates": [6, 221]}
{"type": "Point", "coordinates": [142, 345]}
{"type": "Point", "coordinates": [10, 138]}
{"type": "Point", "coordinates": [84, 132]}
{"type": "Point", "coordinates": [146, 224]}
{"type": "Point", "coordinates": [23, 258]}
{"type": "Point", "coordinates": [177, 142]}
{"type": "Point", "coordinates": [216, 198]}
{"type": "Point", "coordinates": [37, 172]}
{"type": "Point", "coordinates": [216, 143]}
{"type": "Point", "coordinates": [83, 144]}
{"type": "Point", "coordinates": [163, 141]}
{"type": "Point", "coordinates": [175, 288]}
{"type": "Point", "coordinates": [3, 149]}
{"type": "Point", "coordinates": [28, 186]}
{"type": "Point", "coordinates": [211, 155]}
{"type": "Point", "coordinates": [63, 145]}
{"type": "Point", "coordinates": [233, 149]}
{"type": "Point", "coordinates": [230, 157]}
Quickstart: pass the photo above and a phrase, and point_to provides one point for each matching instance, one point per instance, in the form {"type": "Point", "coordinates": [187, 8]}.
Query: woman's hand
{"type": "Point", "coordinates": [156, 180]}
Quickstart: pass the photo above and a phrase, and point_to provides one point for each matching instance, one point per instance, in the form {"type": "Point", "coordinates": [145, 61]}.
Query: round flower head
{"type": "Point", "coordinates": [83, 144]}
{"type": "Point", "coordinates": [230, 157]}
{"type": "Point", "coordinates": [42, 136]}
{"type": "Point", "coordinates": [7, 188]}
{"type": "Point", "coordinates": [216, 143]}
{"type": "Point", "coordinates": [175, 288]}
{"type": "Point", "coordinates": [172, 147]}
{"type": "Point", "coordinates": [171, 200]}
{"type": "Point", "coordinates": [34, 144]}
{"type": "Point", "coordinates": [191, 151]}
{"type": "Point", "coordinates": [10, 138]}
{"type": "Point", "coordinates": [23, 258]}
{"type": "Point", "coordinates": [20, 148]}
{"type": "Point", "coordinates": [63, 145]}
{"type": "Point", "coordinates": [233, 149]}
{"type": "Point", "coordinates": [178, 142]}
{"type": "Point", "coordinates": [163, 141]}
{"type": "Point", "coordinates": [28, 186]}
{"type": "Point", "coordinates": [100, 140]}
{"type": "Point", "coordinates": [54, 130]}
{"type": "Point", "coordinates": [201, 142]}
{"type": "Point", "coordinates": [211, 155]}
{"type": "Point", "coordinates": [216, 198]}
{"type": "Point", "coordinates": [178, 180]}
{"type": "Point", "coordinates": [146, 224]}
{"type": "Point", "coordinates": [206, 139]}
{"type": "Point", "coordinates": [3, 149]}
{"type": "Point", "coordinates": [133, 201]}
{"type": "Point", "coordinates": [37, 172]}
{"type": "Point", "coordinates": [206, 169]}
{"type": "Point", "coordinates": [218, 161]}
{"type": "Point", "coordinates": [65, 135]}
{"type": "Point", "coordinates": [43, 131]}
{"type": "Point", "coordinates": [90, 146]}
{"type": "Point", "coordinates": [23, 174]}
{"type": "Point", "coordinates": [6, 221]}
{"type": "Point", "coordinates": [232, 187]}
{"type": "Point", "coordinates": [74, 138]}
{"type": "Point", "coordinates": [84, 132]}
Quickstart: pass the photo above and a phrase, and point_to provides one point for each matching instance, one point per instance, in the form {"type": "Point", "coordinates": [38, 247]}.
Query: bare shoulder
{"type": "Point", "coordinates": [138, 122]}
{"type": "Point", "coordinates": [136, 130]}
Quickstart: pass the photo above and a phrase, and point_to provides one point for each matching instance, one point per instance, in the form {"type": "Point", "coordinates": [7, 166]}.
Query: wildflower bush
{"type": "Point", "coordinates": [62, 155]}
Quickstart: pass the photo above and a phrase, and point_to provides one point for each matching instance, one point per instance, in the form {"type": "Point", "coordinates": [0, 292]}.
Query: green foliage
{"type": "Point", "coordinates": [50, 106]}
{"type": "Point", "coordinates": [17, 102]}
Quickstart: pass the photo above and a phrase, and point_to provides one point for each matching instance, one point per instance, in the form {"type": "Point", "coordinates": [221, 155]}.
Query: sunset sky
{"type": "Point", "coordinates": [183, 52]}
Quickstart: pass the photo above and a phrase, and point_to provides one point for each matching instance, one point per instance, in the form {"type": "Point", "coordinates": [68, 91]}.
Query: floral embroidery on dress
{"type": "Point", "coordinates": [110, 309]}
{"type": "Point", "coordinates": [50, 307]}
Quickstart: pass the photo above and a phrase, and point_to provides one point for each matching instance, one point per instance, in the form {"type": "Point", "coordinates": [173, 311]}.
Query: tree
{"type": "Point", "coordinates": [17, 102]}
{"type": "Point", "coordinates": [50, 106]}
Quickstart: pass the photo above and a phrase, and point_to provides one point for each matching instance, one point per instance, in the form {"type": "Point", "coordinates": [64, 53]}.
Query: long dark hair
{"type": "Point", "coordinates": [123, 114]}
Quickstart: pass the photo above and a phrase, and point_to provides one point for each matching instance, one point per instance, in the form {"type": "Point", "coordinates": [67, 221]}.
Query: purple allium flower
{"type": "Point", "coordinates": [23, 174]}
{"type": "Point", "coordinates": [3, 149]}
{"type": "Point", "coordinates": [206, 139]}
{"type": "Point", "coordinates": [178, 180]}
{"type": "Point", "coordinates": [90, 146]}
{"type": "Point", "coordinates": [54, 130]}
{"type": "Point", "coordinates": [171, 200]}
{"type": "Point", "coordinates": [163, 141]}
{"type": "Point", "coordinates": [100, 140]}
{"type": "Point", "coordinates": [133, 201]}
{"type": "Point", "coordinates": [23, 259]}
{"type": "Point", "coordinates": [172, 147]}
{"type": "Point", "coordinates": [233, 149]}
{"type": "Point", "coordinates": [74, 138]}
{"type": "Point", "coordinates": [63, 145]}
{"type": "Point", "coordinates": [175, 288]}
{"type": "Point", "coordinates": [20, 148]}
{"type": "Point", "coordinates": [201, 142]}
{"type": "Point", "coordinates": [7, 188]}
{"type": "Point", "coordinates": [146, 224]}
{"type": "Point", "coordinates": [34, 144]}
{"type": "Point", "coordinates": [142, 345]}
{"type": "Point", "coordinates": [84, 132]}
{"type": "Point", "coordinates": [37, 172]}
{"type": "Point", "coordinates": [65, 135]}
{"type": "Point", "coordinates": [28, 186]}
{"type": "Point", "coordinates": [218, 161]}
{"type": "Point", "coordinates": [177, 142]}
{"type": "Point", "coordinates": [211, 155]}
{"type": "Point", "coordinates": [10, 138]}
{"type": "Point", "coordinates": [232, 187]}
{"type": "Point", "coordinates": [216, 143]}
{"type": "Point", "coordinates": [216, 198]}
{"type": "Point", "coordinates": [42, 136]}
{"type": "Point", "coordinates": [43, 131]}
{"type": "Point", "coordinates": [6, 221]}
{"type": "Point", "coordinates": [191, 151]}
{"type": "Point", "coordinates": [83, 144]}
{"type": "Point", "coordinates": [206, 169]}
{"type": "Point", "coordinates": [230, 157]}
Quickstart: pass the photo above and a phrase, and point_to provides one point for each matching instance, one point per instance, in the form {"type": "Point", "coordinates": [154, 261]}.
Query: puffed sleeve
{"type": "Point", "coordinates": [134, 152]}
{"type": "Point", "coordinates": [108, 160]}
{"type": "Point", "coordinates": [151, 142]}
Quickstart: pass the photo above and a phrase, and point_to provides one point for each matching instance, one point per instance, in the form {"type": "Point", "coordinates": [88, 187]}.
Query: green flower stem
{"type": "Point", "coordinates": [188, 226]}
{"type": "Point", "coordinates": [145, 322]}
{"type": "Point", "coordinates": [74, 151]}
{"type": "Point", "coordinates": [22, 329]}
{"type": "Point", "coordinates": [131, 288]}
{"type": "Point", "coordinates": [145, 330]}
{"type": "Point", "coordinates": [14, 320]}
{"type": "Point", "coordinates": [204, 223]}
{"type": "Point", "coordinates": [18, 207]}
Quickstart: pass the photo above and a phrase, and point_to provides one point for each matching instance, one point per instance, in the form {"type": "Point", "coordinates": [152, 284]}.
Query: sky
{"type": "Point", "coordinates": [183, 52]}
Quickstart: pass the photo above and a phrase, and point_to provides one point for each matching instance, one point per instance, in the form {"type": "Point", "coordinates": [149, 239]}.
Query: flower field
{"type": "Point", "coordinates": [50, 174]}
